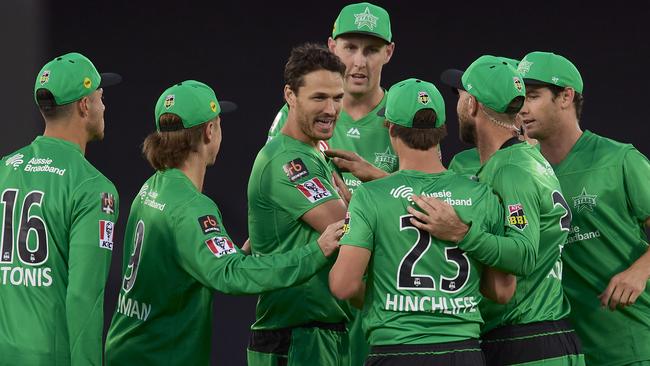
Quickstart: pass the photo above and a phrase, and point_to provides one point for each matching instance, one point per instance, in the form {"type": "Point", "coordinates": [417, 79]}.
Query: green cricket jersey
{"type": "Point", "coordinates": [535, 210]}
{"type": "Point", "coordinates": [288, 179]}
{"type": "Point", "coordinates": [59, 216]}
{"type": "Point", "coordinates": [366, 136]}
{"type": "Point", "coordinates": [419, 290]}
{"type": "Point", "coordinates": [466, 162]}
{"type": "Point", "coordinates": [176, 252]}
{"type": "Point", "coordinates": [607, 185]}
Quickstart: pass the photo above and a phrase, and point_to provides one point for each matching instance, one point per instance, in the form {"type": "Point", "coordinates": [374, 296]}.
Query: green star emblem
{"type": "Point", "coordinates": [386, 160]}
{"type": "Point", "coordinates": [584, 201]}
{"type": "Point", "coordinates": [365, 19]}
{"type": "Point", "coordinates": [524, 67]}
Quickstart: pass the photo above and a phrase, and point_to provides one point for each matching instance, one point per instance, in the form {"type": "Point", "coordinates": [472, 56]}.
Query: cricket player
{"type": "Point", "coordinates": [606, 183]}
{"type": "Point", "coordinates": [59, 214]}
{"type": "Point", "coordinates": [420, 301]}
{"type": "Point", "coordinates": [176, 248]}
{"type": "Point", "coordinates": [291, 199]}
{"type": "Point", "coordinates": [531, 329]}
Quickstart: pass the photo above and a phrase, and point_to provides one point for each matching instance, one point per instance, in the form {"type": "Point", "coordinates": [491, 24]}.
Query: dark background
{"type": "Point", "coordinates": [239, 48]}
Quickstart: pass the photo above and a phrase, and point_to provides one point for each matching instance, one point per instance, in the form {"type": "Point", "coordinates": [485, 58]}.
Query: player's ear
{"type": "Point", "coordinates": [567, 95]}
{"type": "Point", "coordinates": [208, 131]}
{"type": "Point", "coordinates": [289, 96]}
{"type": "Point", "coordinates": [83, 106]}
{"type": "Point", "coordinates": [472, 105]}
{"type": "Point", "coordinates": [331, 44]}
{"type": "Point", "coordinates": [390, 48]}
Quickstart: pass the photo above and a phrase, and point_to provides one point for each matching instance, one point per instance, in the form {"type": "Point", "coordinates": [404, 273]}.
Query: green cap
{"type": "Point", "coordinates": [364, 18]}
{"type": "Point", "coordinates": [193, 102]}
{"type": "Point", "coordinates": [540, 68]}
{"type": "Point", "coordinates": [492, 80]}
{"type": "Point", "coordinates": [407, 97]}
{"type": "Point", "coordinates": [71, 77]}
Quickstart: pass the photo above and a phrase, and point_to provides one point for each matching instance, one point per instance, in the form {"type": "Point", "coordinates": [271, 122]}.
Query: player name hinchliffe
{"type": "Point", "coordinates": [439, 304]}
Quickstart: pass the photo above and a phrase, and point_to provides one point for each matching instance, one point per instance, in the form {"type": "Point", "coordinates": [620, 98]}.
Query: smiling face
{"type": "Point", "coordinates": [315, 106]}
{"type": "Point", "coordinates": [540, 113]}
{"type": "Point", "coordinates": [364, 57]}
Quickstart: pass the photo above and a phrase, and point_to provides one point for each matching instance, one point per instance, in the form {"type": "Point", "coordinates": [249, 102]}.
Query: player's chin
{"type": "Point", "coordinates": [323, 135]}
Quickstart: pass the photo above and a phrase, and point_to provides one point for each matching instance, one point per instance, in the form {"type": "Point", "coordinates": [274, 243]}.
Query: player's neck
{"type": "Point", "coordinates": [490, 137]}
{"type": "Point", "coordinates": [292, 129]}
{"type": "Point", "coordinates": [556, 148]}
{"type": "Point", "coordinates": [67, 131]}
{"type": "Point", "coordinates": [359, 105]}
{"type": "Point", "coordinates": [426, 161]}
{"type": "Point", "coordinates": [194, 168]}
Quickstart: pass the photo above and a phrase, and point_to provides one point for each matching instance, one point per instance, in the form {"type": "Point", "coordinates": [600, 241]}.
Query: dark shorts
{"type": "Point", "coordinates": [309, 344]}
{"type": "Point", "coordinates": [460, 353]}
{"type": "Point", "coordinates": [516, 344]}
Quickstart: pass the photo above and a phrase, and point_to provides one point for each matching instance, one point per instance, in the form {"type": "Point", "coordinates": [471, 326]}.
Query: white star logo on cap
{"type": "Point", "coordinates": [365, 19]}
{"type": "Point", "coordinates": [524, 67]}
{"type": "Point", "coordinates": [555, 79]}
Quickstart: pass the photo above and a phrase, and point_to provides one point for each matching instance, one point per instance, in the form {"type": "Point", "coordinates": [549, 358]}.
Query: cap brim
{"type": "Point", "coordinates": [227, 106]}
{"type": "Point", "coordinates": [376, 35]}
{"type": "Point", "coordinates": [109, 79]}
{"type": "Point", "coordinates": [535, 82]}
{"type": "Point", "coordinates": [453, 78]}
{"type": "Point", "coordinates": [382, 112]}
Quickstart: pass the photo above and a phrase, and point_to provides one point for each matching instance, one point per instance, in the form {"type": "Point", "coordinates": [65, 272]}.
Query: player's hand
{"type": "Point", "coordinates": [351, 162]}
{"type": "Point", "coordinates": [246, 248]}
{"type": "Point", "coordinates": [342, 188]}
{"type": "Point", "coordinates": [329, 239]}
{"type": "Point", "coordinates": [624, 288]}
{"type": "Point", "coordinates": [438, 219]}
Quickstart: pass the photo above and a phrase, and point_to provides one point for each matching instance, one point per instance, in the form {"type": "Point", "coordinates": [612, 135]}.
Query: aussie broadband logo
{"type": "Point", "coordinates": [444, 195]}
{"type": "Point", "coordinates": [577, 235]}
{"type": "Point", "coordinates": [15, 161]}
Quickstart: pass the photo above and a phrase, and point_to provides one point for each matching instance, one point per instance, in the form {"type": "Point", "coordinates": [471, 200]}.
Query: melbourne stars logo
{"type": "Point", "coordinates": [524, 67]}
{"type": "Point", "coordinates": [386, 160]}
{"type": "Point", "coordinates": [584, 201]}
{"type": "Point", "coordinates": [365, 19]}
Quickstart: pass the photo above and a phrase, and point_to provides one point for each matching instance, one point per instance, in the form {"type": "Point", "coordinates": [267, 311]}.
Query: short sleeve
{"type": "Point", "coordinates": [94, 215]}
{"type": "Point", "coordinates": [360, 221]}
{"type": "Point", "coordinates": [636, 176]}
{"type": "Point", "coordinates": [207, 253]}
{"type": "Point", "coordinates": [298, 182]}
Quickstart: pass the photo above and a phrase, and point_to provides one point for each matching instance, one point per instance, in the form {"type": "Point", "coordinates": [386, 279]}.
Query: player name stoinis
{"type": "Point", "coordinates": [440, 304]}
{"type": "Point", "coordinates": [133, 308]}
{"type": "Point", "coordinates": [42, 165]}
{"type": "Point", "coordinates": [29, 277]}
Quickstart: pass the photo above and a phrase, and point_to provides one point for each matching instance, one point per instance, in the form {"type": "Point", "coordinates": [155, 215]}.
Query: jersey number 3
{"type": "Point", "coordinates": [407, 280]}
{"type": "Point", "coordinates": [28, 224]}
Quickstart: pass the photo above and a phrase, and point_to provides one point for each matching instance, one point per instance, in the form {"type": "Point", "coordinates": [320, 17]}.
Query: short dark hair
{"type": "Point", "coordinates": [307, 58]}
{"type": "Point", "coordinates": [169, 149]}
{"type": "Point", "coordinates": [48, 107]}
{"type": "Point", "coordinates": [578, 99]}
{"type": "Point", "coordinates": [420, 138]}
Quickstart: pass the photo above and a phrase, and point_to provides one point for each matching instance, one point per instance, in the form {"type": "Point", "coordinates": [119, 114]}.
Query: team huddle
{"type": "Point", "coordinates": [529, 249]}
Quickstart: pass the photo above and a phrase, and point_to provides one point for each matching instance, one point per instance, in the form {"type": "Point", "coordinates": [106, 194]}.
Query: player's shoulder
{"type": "Point", "coordinates": [284, 150]}
{"type": "Point", "coordinates": [600, 145]}
{"type": "Point", "coordinates": [466, 154]}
